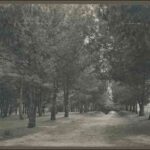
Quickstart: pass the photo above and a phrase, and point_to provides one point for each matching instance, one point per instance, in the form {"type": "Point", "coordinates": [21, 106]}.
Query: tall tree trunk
{"type": "Point", "coordinates": [53, 107]}
{"type": "Point", "coordinates": [133, 108]}
{"type": "Point", "coordinates": [21, 101]}
{"type": "Point", "coordinates": [142, 98]}
{"type": "Point", "coordinates": [40, 103]}
{"type": "Point", "coordinates": [136, 111]}
{"type": "Point", "coordinates": [71, 108]}
{"type": "Point", "coordinates": [141, 103]}
{"type": "Point", "coordinates": [141, 112]}
{"type": "Point", "coordinates": [126, 107]}
{"type": "Point", "coordinates": [43, 109]}
{"type": "Point", "coordinates": [81, 108]}
{"type": "Point", "coordinates": [39, 110]}
{"type": "Point", "coordinates": [32, 108]}
{"type": "Point", "coordinates": [86, 108]}
{"type": "Point", "coordinates": [6, 108]}
{"type": "Point", "coordinates": [130, 109]}
{"type": "Point", "coordinates": [5, 111]}
{"type": "Point", "coordinates": [16, 110]}
{"type": "Point", "coordinates": [93, 107]}
{"type": "Point", "coordinates": [1, 114]}
{"type": "Point", "coordinates": [23, 110]}
{"type": "Point", "coordinates": [66, 100]}
{"type": "Point", "coordinates": [10, 110]}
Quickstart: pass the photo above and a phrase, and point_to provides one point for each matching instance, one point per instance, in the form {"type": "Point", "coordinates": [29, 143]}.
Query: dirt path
{"type": "Point", "coordinates": [91, 129]}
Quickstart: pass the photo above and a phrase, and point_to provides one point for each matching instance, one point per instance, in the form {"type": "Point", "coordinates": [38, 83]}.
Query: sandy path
{"type": "Point", "coordinates": [92, 129]}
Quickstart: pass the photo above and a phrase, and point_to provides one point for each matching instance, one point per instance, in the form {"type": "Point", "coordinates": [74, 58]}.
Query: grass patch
{"type": "Point", "coordinates": [115, 132]}
{"type": "Point", "coordinates": [12, 127]}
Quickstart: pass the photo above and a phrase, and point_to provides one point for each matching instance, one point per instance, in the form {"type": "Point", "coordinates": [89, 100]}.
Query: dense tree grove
{"type": "Point", "coordinates": [80, 58]}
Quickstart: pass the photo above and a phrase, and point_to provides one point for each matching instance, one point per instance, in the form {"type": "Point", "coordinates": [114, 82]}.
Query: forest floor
{"type": "Point", "coordinates": [122, 129]}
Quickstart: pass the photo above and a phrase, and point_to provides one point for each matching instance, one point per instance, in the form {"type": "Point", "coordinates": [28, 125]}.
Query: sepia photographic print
{"type": "Point", "coordinates": [75, 75]}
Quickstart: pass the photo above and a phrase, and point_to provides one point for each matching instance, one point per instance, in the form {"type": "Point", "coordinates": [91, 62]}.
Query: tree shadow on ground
{"type": "Point", "coordinates": [15, 128]}
{"type": "Point", "coordinates": [11, 133]}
